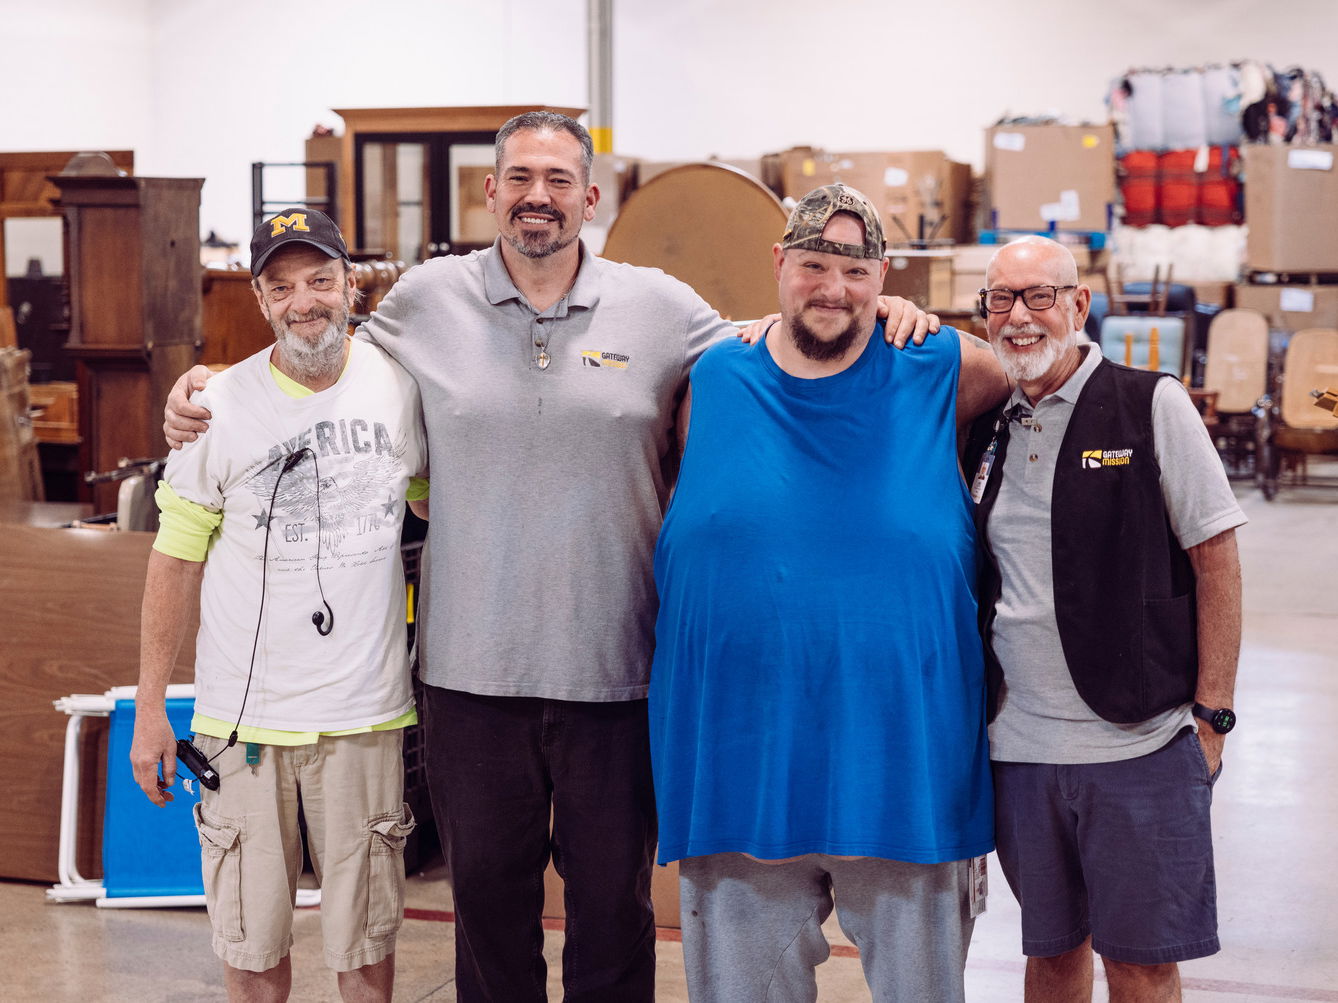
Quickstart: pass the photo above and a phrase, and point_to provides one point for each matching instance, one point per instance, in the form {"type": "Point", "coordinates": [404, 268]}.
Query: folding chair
{"type": "Point", "coordinates": [1290, 427]}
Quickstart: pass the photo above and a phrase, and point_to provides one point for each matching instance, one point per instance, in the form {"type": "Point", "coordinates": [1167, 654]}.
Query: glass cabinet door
{"type": "Point", "coordinates": [419, 195]}
{"type": "Point", "coordinates": [396, 198]}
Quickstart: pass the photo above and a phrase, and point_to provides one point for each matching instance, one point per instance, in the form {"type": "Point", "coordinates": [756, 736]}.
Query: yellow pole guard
{"type": "Point", "coordinates": [602, 137]}
{"type": "Point", "coordinates": [408, 602]}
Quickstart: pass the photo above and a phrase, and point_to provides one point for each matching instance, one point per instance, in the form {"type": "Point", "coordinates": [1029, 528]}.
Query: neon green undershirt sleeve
{"type": "Point", "coordinates": [185, 528]}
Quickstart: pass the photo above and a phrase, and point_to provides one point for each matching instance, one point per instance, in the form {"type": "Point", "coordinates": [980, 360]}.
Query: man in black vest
{"type": "Point", "coordinates": [1110, 609]}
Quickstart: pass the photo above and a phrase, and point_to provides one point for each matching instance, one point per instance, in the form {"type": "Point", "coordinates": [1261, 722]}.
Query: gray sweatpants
{"type": "Point", "coordinates": [752, 931]}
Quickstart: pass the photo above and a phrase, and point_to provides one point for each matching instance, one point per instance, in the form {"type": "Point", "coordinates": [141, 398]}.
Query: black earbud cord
{"type": "Point", "coordinates": [322, 627]}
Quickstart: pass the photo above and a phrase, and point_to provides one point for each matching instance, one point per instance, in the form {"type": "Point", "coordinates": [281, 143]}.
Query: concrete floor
{"type": "Point", "coordinates": [1276, 821]}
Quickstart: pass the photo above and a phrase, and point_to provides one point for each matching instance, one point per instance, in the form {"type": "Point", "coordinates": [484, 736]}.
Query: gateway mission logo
{"type": "Point", "coordinates": [1093, 459]}
{"type": "Point", "coordinates": [604, 360]}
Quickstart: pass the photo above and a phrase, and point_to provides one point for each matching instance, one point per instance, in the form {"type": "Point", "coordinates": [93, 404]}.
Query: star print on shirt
{"type": "Point", "coordinates": [262, 519]}
{"type": "Point", "coordinates": [388, 509]}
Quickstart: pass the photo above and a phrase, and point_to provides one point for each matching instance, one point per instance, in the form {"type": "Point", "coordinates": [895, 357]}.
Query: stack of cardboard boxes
{"type": "Point", "coordinates": [921, 194]}
{"type": "Point", "coordinates": [1039, 176]}
{"type": "Point", "coordinates": [1290, 192]}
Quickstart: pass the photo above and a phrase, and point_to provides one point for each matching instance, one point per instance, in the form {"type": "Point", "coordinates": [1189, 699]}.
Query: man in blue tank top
{"type": "Point", "coordinates": [816, 734]}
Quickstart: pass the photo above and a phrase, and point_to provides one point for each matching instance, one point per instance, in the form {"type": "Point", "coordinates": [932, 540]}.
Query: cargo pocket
{"type": "Point", "coordinates": [385, 892]}
{"type": "Point", "coordinates": [221, 866]}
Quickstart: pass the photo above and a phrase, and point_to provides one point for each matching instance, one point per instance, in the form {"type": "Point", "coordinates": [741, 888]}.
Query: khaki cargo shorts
{"type": "Point", "coordinates": [352, 794]}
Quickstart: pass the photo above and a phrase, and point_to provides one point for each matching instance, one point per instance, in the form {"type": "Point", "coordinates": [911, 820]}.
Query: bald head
{"type": "Point", "coordinates": [1035, 251]}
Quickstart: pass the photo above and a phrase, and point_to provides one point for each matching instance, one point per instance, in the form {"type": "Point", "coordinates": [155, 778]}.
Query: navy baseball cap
{"type": "Point", "coordinates": [296, 225]}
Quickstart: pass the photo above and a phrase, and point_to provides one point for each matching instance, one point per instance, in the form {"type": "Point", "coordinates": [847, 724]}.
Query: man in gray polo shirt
{"type": "Point", "coordinates": [1110, 606]}
{"type": "Point", "coordinates": [550, 379]}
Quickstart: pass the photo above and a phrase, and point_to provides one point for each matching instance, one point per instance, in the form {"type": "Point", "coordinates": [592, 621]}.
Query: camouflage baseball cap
{"type": "Point", "coordinates": [811, 215]}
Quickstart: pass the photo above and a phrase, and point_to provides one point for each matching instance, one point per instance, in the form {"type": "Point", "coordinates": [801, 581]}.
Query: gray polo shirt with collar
{"type": "Point", "coordinates": [552, 455]}
{"type": "Point", "coordinates": [1041, 718]}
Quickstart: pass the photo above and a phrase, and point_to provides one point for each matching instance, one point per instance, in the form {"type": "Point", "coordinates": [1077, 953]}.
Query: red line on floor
{"type": "Point", "coordinates": [1257, 990]}
{"type": "Point", "coordinates": [675, 935]}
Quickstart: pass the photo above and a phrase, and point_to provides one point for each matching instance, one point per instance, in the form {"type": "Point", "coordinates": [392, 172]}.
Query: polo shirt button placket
{"type": "Point", "coordinates": [541, 343]}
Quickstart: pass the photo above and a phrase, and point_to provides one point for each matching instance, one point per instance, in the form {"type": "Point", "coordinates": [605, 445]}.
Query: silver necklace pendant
{"type": "Point", "coordinates": [544, 360]}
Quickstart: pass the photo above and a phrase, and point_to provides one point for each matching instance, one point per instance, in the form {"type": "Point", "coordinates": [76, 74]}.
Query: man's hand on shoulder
{"type": "Point", "coordinates": [752, 334]}
{"type": "Point", "coordinates": [904, 321]}
{"type": "Point", "coordinates": [182, 420]}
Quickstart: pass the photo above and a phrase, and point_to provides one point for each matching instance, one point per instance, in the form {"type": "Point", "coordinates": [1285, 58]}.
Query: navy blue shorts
{"type": "Point", "coordinates": [1121, 851]}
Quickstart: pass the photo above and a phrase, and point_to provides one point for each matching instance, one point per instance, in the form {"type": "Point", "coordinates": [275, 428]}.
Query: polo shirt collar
{"type": "Point", "coordinates": [499, 288]}
{"type": "Point", "coordinates": [1072, 387]}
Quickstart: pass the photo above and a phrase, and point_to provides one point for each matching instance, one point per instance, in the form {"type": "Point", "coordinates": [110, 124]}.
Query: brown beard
{"type": "Point", "coordinates": [812, 347]}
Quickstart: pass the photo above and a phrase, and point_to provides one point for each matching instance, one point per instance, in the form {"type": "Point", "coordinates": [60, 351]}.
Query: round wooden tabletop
{"type": "Point", "coordinates": [710, 225]}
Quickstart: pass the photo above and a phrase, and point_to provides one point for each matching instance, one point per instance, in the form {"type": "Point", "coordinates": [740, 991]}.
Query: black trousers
{"type": "Point", "coordinates": [498, 769]}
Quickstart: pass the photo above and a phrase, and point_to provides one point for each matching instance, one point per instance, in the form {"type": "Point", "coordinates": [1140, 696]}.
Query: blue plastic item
{"type": "Point", "coordinates": [148, 850]}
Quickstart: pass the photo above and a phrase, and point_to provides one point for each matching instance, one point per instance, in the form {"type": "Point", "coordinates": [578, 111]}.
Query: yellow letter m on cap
{"type": "Point", "coordinates": [298, 221]}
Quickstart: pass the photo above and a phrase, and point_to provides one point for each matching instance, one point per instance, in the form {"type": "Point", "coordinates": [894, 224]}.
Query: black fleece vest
{"type": "Point", "coordinates": [1124, 590]}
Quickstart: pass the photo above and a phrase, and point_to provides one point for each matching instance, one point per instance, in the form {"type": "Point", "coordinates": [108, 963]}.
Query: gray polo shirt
{"type": "Point", "coordinates": [549, 481]}
{"type": "Point", "coordinates": [1041, 718]}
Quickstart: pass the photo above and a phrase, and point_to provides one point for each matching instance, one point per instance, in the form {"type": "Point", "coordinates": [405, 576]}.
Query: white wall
{"type": "Point", "coordinates": [74, 74]}
{"type": "Point", "coordinates": [203, 89]}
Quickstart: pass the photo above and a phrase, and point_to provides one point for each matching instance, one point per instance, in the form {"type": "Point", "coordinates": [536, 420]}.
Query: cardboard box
{"type": "Point", "coordinates": [923, 277]}
{"type": "Point", "coordinates": [1290, 192]}
{"type": "Point", "coordinates": [1215, 293]}
{"type": "Point", "coordinates": [969, 262]}
{"type": "Point", "coordinates": [615, 175]}
{"type": "Point", "coordinates": [913, 190]}
{"type": "Point", "coordinates": [1291, 308]}
{"type": "Point", "coordinates": [663, 895]}
{"type": "Point", "coordinates": [968, 273]}
{"type": "Point", "coordinates": [1035, 174]}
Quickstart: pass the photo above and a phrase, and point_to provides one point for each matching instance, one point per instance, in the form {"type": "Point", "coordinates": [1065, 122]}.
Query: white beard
{"type": "Point", "coordinates": [1030, 366]}
{"type": "Point", "coordinates": [319, 359]}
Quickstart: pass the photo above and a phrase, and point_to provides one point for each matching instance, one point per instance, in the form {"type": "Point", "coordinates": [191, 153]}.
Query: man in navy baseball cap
{"type": "Point", "coordinates": [290, 225]}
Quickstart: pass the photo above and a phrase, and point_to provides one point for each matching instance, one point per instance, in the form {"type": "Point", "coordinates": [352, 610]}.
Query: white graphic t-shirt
{"type": "Point", "coordinates": [321, 481]}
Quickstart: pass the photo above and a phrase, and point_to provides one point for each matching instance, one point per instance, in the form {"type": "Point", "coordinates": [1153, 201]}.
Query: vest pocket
{"type": "Point", "coordinates": [1170, 653]}
{"type": "Point", "coordinates": [221, 868]}
{"type": "Point", "coordinates": [385, 889]}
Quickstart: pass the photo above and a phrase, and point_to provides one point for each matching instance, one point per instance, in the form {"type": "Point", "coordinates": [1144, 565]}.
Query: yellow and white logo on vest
{"type": "Point", "coordinates": [280, 224]}
{"type": "Point", "coordinates": [604, 360]}
{"type": "Point", "coordinates": [1095, 458]}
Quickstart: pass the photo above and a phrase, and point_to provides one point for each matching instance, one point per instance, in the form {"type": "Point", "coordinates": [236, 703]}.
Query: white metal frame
{"type": "Point", "coordinates": [73, 886]}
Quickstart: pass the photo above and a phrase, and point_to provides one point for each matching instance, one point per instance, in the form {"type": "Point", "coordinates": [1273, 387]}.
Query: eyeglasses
{"type": "Point", "coordinates": [1034, 297]}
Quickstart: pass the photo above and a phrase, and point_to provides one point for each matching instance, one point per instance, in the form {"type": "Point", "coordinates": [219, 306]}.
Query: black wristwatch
{"type": "Point", "coordinates": [1222, 720]}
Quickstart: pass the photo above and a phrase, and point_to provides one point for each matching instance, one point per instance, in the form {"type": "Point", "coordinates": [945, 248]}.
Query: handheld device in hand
{"type": "Point", "coordinates": [193, 759]}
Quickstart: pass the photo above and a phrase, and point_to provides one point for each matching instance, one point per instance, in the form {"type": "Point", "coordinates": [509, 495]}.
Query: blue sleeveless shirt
{"type": "Point", "coordinates": [818, 684]}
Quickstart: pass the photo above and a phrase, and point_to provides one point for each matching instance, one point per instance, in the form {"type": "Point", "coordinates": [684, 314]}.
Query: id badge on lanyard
{"type": "Point", "coordinates": [986, 463]}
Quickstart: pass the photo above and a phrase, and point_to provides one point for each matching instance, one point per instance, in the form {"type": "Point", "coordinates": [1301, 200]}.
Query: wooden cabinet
{"type": "Point", "coordinates": [71, 600]}
{"type": "Point", "coordinates": [27, 188]}
{"type": "Point", "coordinates": [133, 263]}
